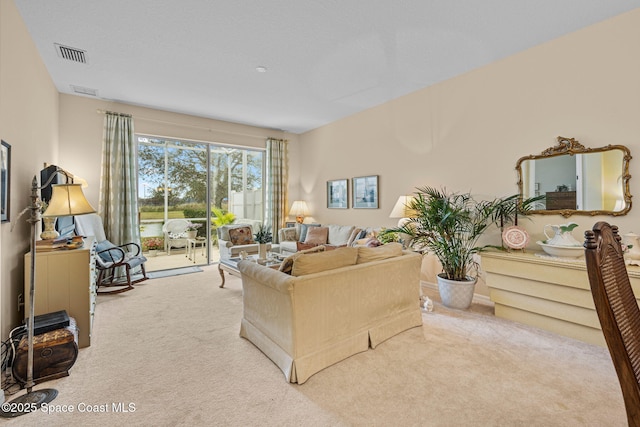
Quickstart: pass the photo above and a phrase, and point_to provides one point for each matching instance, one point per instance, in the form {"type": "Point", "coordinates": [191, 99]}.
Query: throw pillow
{"type": "Point", "coordinates": [373, 242]}
{"type": "Point", "coordinates": [108, 256]}
{"type": "Point", "coordinates": [315, 263]}
{"type": "Point", "coordinates": [354, 236]}
{"type": "Point", "coordinates": [241, 236]}
{"type": "Point", "coordinates": [339, 234]}
{"type": "Point", "coordinates": [287, 263]}
{"type": "Point", "coordinates": [303, 228]}
{"type": "Point", "coordinates": [367, 254]}
{"type": "Point", "coordinates": [289, 234]}
{"type": "Point", "coordinates": [317, 235]}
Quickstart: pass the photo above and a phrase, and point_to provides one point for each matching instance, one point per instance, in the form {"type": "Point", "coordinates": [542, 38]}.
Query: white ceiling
{"type": "Point", "coordinates": [325, 59]}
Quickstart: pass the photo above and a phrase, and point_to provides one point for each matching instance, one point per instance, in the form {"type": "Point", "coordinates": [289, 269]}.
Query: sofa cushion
{"type": "Point", "coordinates": [317, 235]}
{"type": "Point", "coordinates": [241, 236]}
{"type": "Point", "coordinates": [339, 234]}
{"type": "Point", "coordinates": [302, 230]}
{"type": "Point", "coordinates": [367, 254]}
{"type": "Point", "coordinates": [289, 234]}
{"type": "Point", "coordinates": [316, 262]}
{"type": "Point", "coordinates": [287, 263]}
{"type": "Point", "coordinates": [301, 246]}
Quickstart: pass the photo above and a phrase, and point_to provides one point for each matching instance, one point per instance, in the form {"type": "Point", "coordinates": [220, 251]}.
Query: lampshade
{"type": "Point", "coordinates": [299, 209]}
{"type": "Point", "coordinates": [66, 200]}
{"type": "Point", "coordinates": [401, 209]}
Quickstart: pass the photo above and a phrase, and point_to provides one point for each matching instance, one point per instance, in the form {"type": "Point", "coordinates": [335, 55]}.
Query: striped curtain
{"type": "Point", "coordinates": [276, 183]}
{"type": "Point", "coordinates": [118, 189]}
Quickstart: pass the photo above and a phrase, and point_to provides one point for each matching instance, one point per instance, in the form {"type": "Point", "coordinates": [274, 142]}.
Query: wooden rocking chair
{"type": "Point", "coordinates": [111, 258]}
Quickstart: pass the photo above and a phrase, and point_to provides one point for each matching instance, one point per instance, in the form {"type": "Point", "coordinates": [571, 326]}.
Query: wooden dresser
{"type": "Point", "coordinates": [561, 200]}
{"type": "Point", "coordinates": [65, 280]}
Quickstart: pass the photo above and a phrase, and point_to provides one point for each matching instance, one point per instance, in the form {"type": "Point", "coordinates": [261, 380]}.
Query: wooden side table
{"type": "Point", "coordinates": [192, 245]}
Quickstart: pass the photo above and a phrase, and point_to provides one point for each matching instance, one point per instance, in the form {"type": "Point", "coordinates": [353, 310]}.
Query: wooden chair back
{"type": "Point", "coordinates": [617, 310]}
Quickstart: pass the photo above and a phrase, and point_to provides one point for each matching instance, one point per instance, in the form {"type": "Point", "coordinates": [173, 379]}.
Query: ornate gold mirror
{"type": "Point", "coordinates": [577, 180]}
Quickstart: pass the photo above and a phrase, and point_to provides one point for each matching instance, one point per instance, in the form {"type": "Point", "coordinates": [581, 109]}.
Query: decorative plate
{"type": "Point", "coordinates": [515, 237]}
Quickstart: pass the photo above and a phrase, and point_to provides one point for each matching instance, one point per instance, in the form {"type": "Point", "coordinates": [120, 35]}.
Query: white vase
{"type": "Point", "coordinates": [49, 232]}
{"type": "Point", "coordinates": [191, 234]}
{"type": "Point", "coordinates": [456, 293]}
{"type": "Point", "coordinates": [262, 251]}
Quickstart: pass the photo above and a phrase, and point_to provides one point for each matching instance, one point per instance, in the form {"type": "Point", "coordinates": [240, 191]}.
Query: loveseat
{"type": "Point", "coordinates": [334, 304]}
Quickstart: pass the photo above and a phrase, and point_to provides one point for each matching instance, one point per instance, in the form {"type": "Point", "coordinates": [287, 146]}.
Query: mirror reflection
{"type": "Point", "coordinates": [577, 180]}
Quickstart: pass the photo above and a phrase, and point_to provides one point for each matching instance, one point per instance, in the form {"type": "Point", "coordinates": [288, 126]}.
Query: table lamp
{"type": "Point", "coordinates": [299, 210]}
{"type": "Point", "coordinates": [401, 210]}
{"type": "Point", "coordinates": [66, 199]}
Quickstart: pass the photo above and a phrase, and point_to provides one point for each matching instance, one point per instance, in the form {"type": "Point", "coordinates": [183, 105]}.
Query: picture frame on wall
{"type": "Point", "coordinates": [5, 181]}
{"type": "Point", "coordinates": [365, 192]}
{"type": "Point", "coordinates": [338, 194]}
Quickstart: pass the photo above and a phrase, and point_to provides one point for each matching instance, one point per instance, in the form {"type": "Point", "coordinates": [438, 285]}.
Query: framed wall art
{"type": "Point", "coordinates": [365, 192]}
{"type": "Point", "coordinates": [5, 181]}
{"type": "Point", "coordinates": [337, 194]}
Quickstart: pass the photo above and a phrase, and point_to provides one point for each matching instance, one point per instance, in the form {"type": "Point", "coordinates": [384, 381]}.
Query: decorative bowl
{"type": "Point", "coordinates": [562, 251]}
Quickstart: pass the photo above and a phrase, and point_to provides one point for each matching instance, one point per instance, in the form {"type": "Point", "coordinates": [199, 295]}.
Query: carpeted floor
{"type": "Point", "coordinates": [169, 353]}
{"type": "Point", "coordinates": [173, 272]}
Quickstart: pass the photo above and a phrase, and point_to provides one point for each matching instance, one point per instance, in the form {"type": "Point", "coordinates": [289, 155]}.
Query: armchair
{"type": "Point", "coordinates": [240, 239]}
{"type": "Point", "coordinates": [110, 257]}
{"type": "Point", "coordinates": [175, 234]}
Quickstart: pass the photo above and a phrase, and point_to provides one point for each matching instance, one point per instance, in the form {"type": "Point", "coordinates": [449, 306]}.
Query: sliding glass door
{"type": "Point", "coordinates": [195, 184]}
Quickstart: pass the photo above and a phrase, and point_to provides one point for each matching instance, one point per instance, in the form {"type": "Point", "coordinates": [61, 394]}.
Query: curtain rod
{"type": "Point", "coordinates": [99, 111]}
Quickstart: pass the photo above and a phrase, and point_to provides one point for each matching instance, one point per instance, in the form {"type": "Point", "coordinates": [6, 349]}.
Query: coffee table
{"type": "Point", "coordinates": [230, 265]}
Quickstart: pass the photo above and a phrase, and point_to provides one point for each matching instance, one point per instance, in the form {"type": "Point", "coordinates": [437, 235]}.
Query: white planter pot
{"type": "Point", "coordinates": [456, 293]}
{"type": "Point", "coordinates": [262, 251]}
{"type": "Point", "coordinates": [191, 234]}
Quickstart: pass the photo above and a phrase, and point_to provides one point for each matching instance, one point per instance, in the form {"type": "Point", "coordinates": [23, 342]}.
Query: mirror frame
{"type": "Point", "coordinates": [571, 146]}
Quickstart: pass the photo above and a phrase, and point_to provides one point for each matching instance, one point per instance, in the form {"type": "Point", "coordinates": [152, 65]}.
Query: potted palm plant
{"type": "Point", "coordinates": [449, 225]}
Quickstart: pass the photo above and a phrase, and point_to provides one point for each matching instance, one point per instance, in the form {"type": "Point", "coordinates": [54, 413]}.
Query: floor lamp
{"type": "Point", "coordinates": [66, 200]}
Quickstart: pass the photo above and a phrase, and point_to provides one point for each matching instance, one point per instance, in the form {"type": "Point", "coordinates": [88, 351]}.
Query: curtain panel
{"type": "Point", "coordinates": [118, 188]}
{"type": "Point", "coordinates": [277, 182]}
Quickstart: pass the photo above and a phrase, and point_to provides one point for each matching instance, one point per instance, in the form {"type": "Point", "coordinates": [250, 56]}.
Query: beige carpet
{"type": "Point", "coordinates": [171, 348]}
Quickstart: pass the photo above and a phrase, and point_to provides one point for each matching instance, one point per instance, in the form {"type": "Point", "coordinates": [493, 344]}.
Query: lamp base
{"type": "Point", "coordinates": [29, 402]}
{"type": "Point", "coordinates": [299, 219]}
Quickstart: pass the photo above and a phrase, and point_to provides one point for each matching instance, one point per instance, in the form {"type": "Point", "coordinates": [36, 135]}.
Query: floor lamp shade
{"type": "Point", "coordinates": [66, 200]}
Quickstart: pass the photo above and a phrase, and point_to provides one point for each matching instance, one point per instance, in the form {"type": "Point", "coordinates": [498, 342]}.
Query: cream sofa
{"type": "Point", "coordinates": [339, 235]}
{"type": "Point", "coordinates": [305, 323]}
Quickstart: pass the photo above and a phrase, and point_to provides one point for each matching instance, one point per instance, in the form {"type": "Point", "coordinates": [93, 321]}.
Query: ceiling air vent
{"type": "Point", "coordinates": [71, 53]}
{"type": "Point", "coordinates": [84, 90]}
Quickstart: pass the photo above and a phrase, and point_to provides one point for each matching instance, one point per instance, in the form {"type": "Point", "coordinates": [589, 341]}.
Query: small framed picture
{"type": "Point", "coordinates": [337, 194]}
{"type": "Point", "coordinates": [5, 181]}
{"type": "Point", "coordinates": [290, 224]}
{"type": "Point", "coordinates": [365, 192]}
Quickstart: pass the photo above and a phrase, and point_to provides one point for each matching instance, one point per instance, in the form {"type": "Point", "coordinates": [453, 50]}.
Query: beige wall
{"type": "Point", "coordinates": [81, 128]}
{"type": "Point", "coordinates": [29, 122]}
{"type": "Point", "coordinates": [467, 133]}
